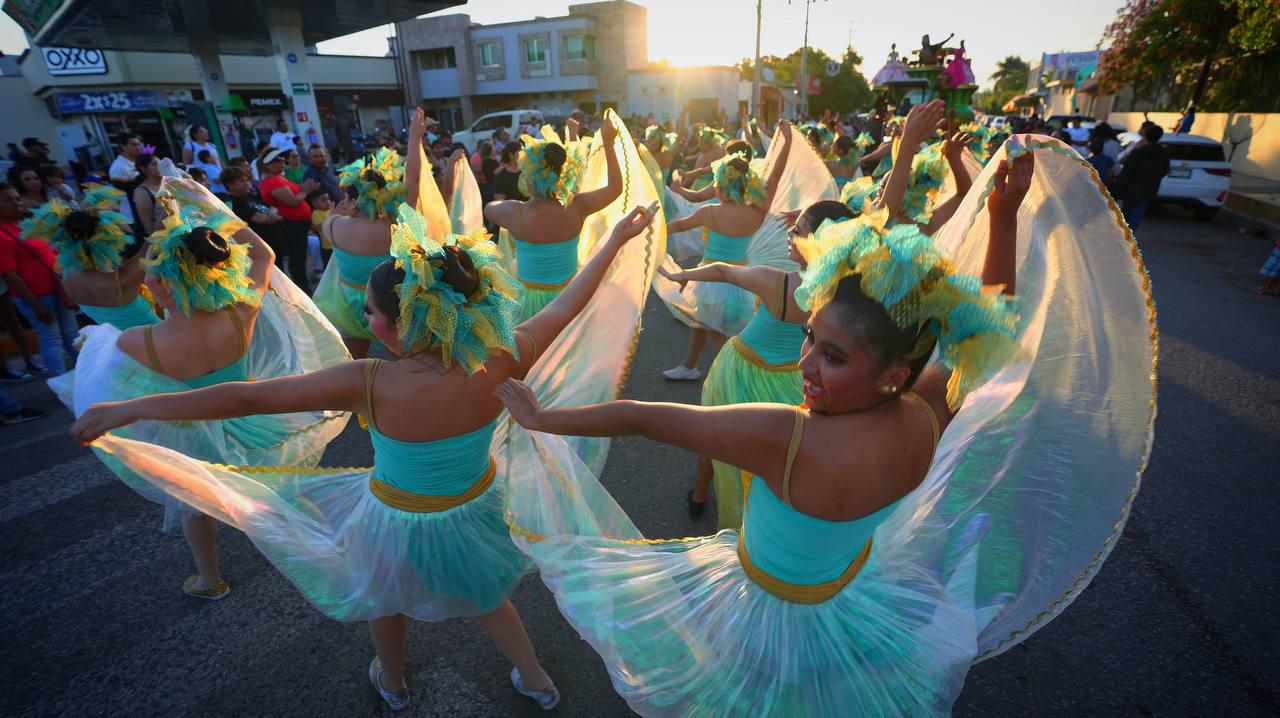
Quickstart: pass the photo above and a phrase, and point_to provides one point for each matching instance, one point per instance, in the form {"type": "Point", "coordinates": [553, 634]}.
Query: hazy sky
{"type": "Point", "coordinates": [721, 32]}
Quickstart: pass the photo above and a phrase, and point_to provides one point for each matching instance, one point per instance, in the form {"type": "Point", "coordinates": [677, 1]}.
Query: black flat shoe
{"type": "Point", "coordinates": [695, 507]}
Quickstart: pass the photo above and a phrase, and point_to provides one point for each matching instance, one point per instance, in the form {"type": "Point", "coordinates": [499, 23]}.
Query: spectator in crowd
{"type": "Point", "coordinates": [248, 206]}
{"type": "Point", "coordinates": [488, 168]}
{"type": "Point", "coordinates": [506, 180]}
{"type": "Point", "coordinates": [1079, 135]}
{"type": "Point", "coordinates": [206, 163]}
{"type": "Point", "coordinates": [282, 138]}
{"type": "Point", "coordinates": [150, 212]}
{"type": "Point", "coordinates": [1139, 180]}
{"type": "Point", "coordinates": [30, 185]}
{"type": "Point", "coordinates": [1102, 164]}
{"type": "Point", "coordinates": [1187, 120]}
{"type": "Point", "coordinates": [1110, 145]}
{"type": "Point", "coordinates": [500, 139]}
{"type": "Point", "coordinates": [290, 200]}
{"type": "Point", "coordinates": [124, 174]}
{"type": "Point", "coordinates": [55, 184]}
{"type": "Point", "coordinates": [197, 141]}
{"type": "Point", "coordinates": [12, 326]}
{"type": "Point", "coordinates": [202, 177]}
{"type": "Point", "coordinates": [319, 171]}
{"type": "Point", "coordinates": [27, 268]}
{"type": "Point", "coordinates": [15, 154]}
{"type": "Point", "coordinates": [321, 206]}
{"type": "Point", "coordinates": [439, 157]}
{"type": "Point", "coordinates": [484, 151]}
{"type": "Point", "coordinates": [11, 412]}
{"type": "Point", "coordinates": [35, 155]}
{"type": "Point", "coordinates": [293, 167]}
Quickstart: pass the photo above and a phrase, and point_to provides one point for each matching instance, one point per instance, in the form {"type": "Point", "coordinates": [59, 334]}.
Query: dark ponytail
{"type": "Point", "coordinates": [383, 281]}
{"type": "Point", "coordinates": [207, 246]}
{"type": "Point", "coordinates": [554, 156]}
{"type": "Point", "coordinates": [81, 225]}
{"type": "Point", "coordinates": [459, 271]}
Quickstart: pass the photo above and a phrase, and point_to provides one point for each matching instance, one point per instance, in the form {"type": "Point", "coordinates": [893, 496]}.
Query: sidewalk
{"type": "Point", "coordinates": [1254, 201]}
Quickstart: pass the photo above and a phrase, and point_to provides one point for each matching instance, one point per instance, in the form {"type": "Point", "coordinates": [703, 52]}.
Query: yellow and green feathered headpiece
{"type": "Point", "coordinates": [857, 193]}
{"type": "Point", "coordinates": [539, 178]}
{"type": "Point", "coordinates": [433, 315]}
{"type": "Point", "coordinates": [902, 269]}
{"type": "Point", "coordinates": [379, 177]}
{"type": "Point", "coordinates": [91, 237]}
{"type": "Point", "coordinates": [742, 187]}
{"type": "Point", "coordinates": [656, 133]}
{"type": "Point", "coordinates": [929, 170]}
{"type": "Point", "coordinates": [711, 136]}
{"type": "Point", "coordinates": [194, 284]}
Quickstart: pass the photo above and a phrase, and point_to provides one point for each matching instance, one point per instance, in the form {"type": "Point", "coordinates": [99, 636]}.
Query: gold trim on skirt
{"type": "Point", "coordinates": [422, 503]}
{"type": "Point", "coordinates": [796, 592]}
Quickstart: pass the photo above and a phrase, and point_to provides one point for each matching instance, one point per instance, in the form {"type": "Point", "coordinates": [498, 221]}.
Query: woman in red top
{"type": "Point", "coordinates": [27, 268]}
{"type": "Point", "coordinates": [291, 201]}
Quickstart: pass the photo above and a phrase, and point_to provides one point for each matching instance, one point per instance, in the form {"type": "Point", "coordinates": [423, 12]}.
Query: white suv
{"type": "Point", "coordinates": [1199, 174]}
{"type": "Point", "coordinates": [510, 120]}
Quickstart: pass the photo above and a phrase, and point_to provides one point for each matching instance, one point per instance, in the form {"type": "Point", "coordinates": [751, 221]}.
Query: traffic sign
{"type": "Point", "coordinates": [301, 88]}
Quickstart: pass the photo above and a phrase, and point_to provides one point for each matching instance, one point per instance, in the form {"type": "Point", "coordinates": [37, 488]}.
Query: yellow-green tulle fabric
{"type": "Point", "coordinates": [735, 379]}
{"type": "Point", "coordinates": [1028, 491]}
{"type": "Point", "coordinates": [341, 302]}
{"type": "Point", "coordinates": [533, 301]}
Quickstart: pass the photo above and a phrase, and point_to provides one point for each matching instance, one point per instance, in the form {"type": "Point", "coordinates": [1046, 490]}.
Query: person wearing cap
{"type": "Point", "coordinates": [290, 200]}
{"type": "Point", "coordinates": [282, 138]}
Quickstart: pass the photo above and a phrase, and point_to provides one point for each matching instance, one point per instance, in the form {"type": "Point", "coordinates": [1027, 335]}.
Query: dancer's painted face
{"type": "Point", "coordinates": [840, 374]}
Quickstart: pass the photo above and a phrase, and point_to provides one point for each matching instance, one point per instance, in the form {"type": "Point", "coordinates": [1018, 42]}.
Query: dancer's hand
{"type": "Point", "coordinates": [1011, 185]}
{"type": "Point", "coordinates": [608, 132]}
{"type": "Point", "coordinates": [520, 402]}
{"type": "Point", "coordinates": [630, 226]}
{"type": "Point", "coordinates": [346, 207]}
{"type": "Point", "coordinates": [418, 128]}
{"type": "Point", "coordinates": [101, 418]}
{"type": "Point", "coordinates": [923, 120]}
{"type": "Point", "coordinates": [955, 144]}
{"type": "Point", "coordinates": [680, 278]}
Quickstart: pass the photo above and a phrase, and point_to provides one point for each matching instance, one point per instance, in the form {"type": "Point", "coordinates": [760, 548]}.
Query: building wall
{"type": "Point", "coordinates": [1257, 156]}
{"type": "Point", "coordinates": [25, 115]}
{"type": "Point", "coordinates": [515, 77]}
{"type": "Point", "coordinates": [433, 33]}
{"type": "Point", "coordinates": [665, 92]}
{"type": "Point", "coordinates": [622, 45]}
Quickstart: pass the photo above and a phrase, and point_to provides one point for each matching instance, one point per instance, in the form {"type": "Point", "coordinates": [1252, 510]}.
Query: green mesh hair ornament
{"type": "Point", "coordinates": [196, 285]}
{"type": "Point", "coordinates": [902, 269]}
{"type": "Point", "coordinates": [928, 172]}
{"type": "Point", "coordinates": [741, 187]}
{"type": "Point", "coordinates": [433, 315]}
{"type": "Point", "coordinates": [986, 139]}
{"type": "Point", "coordinates": [655, 132]}
{"type": "Point", "coordinates": [379, 177]}
{"type": "Point", "coordinates": [91, 237]}
{"type": "Point", "coordinates": [710, 136]}
{"type": "Point", "coordinates": [539, 178]}
{"type": "Point", "coordinates": [857, 193]}
{"type": "Point", "coordinates": [864, 142]}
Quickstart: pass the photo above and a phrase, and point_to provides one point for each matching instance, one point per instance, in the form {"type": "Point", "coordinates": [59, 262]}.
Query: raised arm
{"type": "Point", "coordinates": [1011, 186]}
{"type": "Point", "coordinates": [701, 217]}
{"type": "Point", "coordinates": [261, 256]}
{"type": "Point", "coordinates": [921, 122]}
{"type": "Point", "coordinates": [591, 202]}
{"type": "Point", "coordinates": [779, 164]}
{"type": "Point", "coordinates": [760, 281]}
{"type": "Point", "coordinates": [546, 325]}
{"type": "Point", "coordinates": [953, 150]}
{"type": "Point", "coordinates": [413, 163]}
{"type": "Point", "coordinates": [336, 388]}
{"type": "Point", "coordinates": [751, 436]}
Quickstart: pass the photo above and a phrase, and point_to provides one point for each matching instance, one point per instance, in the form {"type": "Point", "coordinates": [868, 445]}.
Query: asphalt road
{"type": "Point", "coordinates": [1178, 622]}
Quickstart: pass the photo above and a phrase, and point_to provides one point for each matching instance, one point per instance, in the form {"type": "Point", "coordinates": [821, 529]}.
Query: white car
{"type": "Point", "coordinates": [510, 120]}
{"type": "Point", "coordinates": [1199, 174]}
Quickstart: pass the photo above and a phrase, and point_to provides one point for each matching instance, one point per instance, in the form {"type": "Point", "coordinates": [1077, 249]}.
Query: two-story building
{"type": "Point", "coordinates": [459, 70]}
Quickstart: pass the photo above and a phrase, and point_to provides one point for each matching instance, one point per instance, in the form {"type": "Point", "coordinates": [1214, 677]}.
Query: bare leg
{"type": "Point", "coordinates": [388, 635]}
{"type": "Point", "coordinates": [716, 340]}
{"type": "Point", "coordinates": [359, 348]}
{"type": "Point", "coordinates": [702, 483]}
{"type": "Point", "coordinates": [697, 338]}
{"type": "Point", "coordinates": [202, 537]}
{"type": "Point", "coordinates": [504, 628]}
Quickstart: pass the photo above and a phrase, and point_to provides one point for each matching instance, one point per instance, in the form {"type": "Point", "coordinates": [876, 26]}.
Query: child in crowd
{"type": "Point", "coordinates": [1271, 274]}
{"type": "Point", "coordinates": [198, 175]}
{"type": "Point", "coordinates": [1102, 163]}
{"type": "Point", "coordinates": [318, 246]}
{"type": "Point", "coordinates": [55, 184]}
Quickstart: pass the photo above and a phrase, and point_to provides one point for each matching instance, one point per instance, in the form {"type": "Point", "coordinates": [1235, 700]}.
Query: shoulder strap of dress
{"type": "Point", "coordinates": [370, 369]}
{"type": "Point", "coordinates": [151, 350]}
{"type": "Point", "coordinates": [928, 410]}
{"type": "Point", "coordinates": [119, 288]}
{"type": "Point", "coordinates": [797, 432]}
{"type": "Point", "coordinates": [236, 320]}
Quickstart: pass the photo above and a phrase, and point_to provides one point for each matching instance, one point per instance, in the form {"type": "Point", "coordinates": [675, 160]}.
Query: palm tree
{"type": "Point", "coordinates": [1011, 74]}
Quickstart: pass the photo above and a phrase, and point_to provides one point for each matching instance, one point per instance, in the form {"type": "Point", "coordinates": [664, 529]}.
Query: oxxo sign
{"type": "Point", "coordinates": [63, 61]}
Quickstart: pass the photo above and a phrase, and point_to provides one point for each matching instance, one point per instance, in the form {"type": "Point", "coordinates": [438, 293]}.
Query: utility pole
{"type": "Point", "coordinates": [804, 65]}
{"type": "Point", "coordinates": [755, 81]}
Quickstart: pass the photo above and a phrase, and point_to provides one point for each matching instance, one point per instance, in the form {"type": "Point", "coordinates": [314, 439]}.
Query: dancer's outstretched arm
{"type": "Point", "coordinates": [702, 195]}
{"type": "Point", "coordinates": [591, 202]}
{"type": "Point", "coordinates": [751, 436]}
{"type": "Point", "coordinates": [758, 280]}
{"type": "Point", "coordinates": [779, 164]}
{"type": "Point", "coordinates": [335, 388]}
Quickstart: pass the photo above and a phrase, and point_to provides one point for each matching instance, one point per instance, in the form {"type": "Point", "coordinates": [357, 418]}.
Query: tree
{"type": "Point", "coordinates": [1011, 75]}
{"type": "Point", "coordinates": [1151, 38]}
{"type": "Point", "coordinates": [848, 91]}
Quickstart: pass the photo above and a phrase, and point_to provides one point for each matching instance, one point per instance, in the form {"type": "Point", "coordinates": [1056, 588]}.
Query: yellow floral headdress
{"type": "Point", "coordinates": [541, 180]}
{"type": "Point", "coordinates": [433, 315]}
{"type": "Point", "coordinates": [918, 286]}
{"type": "Point", "coordinates": [91, 237]}
{"type": "Point", "coordinates": [742, 187]}
{"type": "Point", "coordinates": [196, 285]}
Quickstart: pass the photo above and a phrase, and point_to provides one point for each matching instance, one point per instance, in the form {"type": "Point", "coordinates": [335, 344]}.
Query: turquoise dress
{"type": "Point", "coordinates": [759, 365]}
{"type": "Point", "coordinates": [716, 306]}
{"type": "Point", "coordinates": [545, 269]}
{"type": "Point", "coordinates": [341, 292]}
{"type": "Point", "coordinates": [421, 532]}
{"type": "Point", "coordinates": [138, 313]}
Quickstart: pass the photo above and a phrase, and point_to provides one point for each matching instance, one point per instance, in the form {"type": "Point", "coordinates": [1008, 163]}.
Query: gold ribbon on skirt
{"type": "Point", "coordinates": [422, 503]}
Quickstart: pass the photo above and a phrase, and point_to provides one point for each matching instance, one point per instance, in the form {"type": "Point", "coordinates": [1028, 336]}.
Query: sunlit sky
{"type": "Point", "coordinates": [692, 33]}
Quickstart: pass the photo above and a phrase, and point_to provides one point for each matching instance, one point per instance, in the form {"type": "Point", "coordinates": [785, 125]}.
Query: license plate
{"type": "Point", "coordinates": [1180, 174]}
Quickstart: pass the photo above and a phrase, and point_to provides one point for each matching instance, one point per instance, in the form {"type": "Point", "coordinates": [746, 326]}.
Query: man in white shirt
{"type": "Point", "coordinates": [124, 174]}
{"type": "Point", "coordinates": [282, 138]}
{"type": "Point", "coordinates": [1079, 136]}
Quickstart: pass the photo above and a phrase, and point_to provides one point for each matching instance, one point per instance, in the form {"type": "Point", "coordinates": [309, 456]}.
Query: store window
{"type": "Point", "coordinates": [580, 47]}
{"type": "Point", "coordinates": [489, 55]}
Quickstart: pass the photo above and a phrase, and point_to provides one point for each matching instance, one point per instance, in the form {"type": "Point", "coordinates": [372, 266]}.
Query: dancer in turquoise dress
{"type": "Point", "coordinates": [547, 228]}
{"type": "Point", "coordinates": [360, 243]}
{"type": "Point", "coordinates": [91, 242]}
{"type": "Point", "coordinates": [714, 310]}
{"type": "Point", "coordinates": [762, 363]}
{"type": "Point", "coordinates": [421, 533]}
{"type": "Point", "coordinates": [964, 462]}
{"type": "Point", "coordinates": [843, 161]}
{"type": "Point", "coordinates": [219, 328]}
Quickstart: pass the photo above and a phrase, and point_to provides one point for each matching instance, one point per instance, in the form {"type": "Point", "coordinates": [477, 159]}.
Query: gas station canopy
{"type": "Point", "coordinates": [240, 26]}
